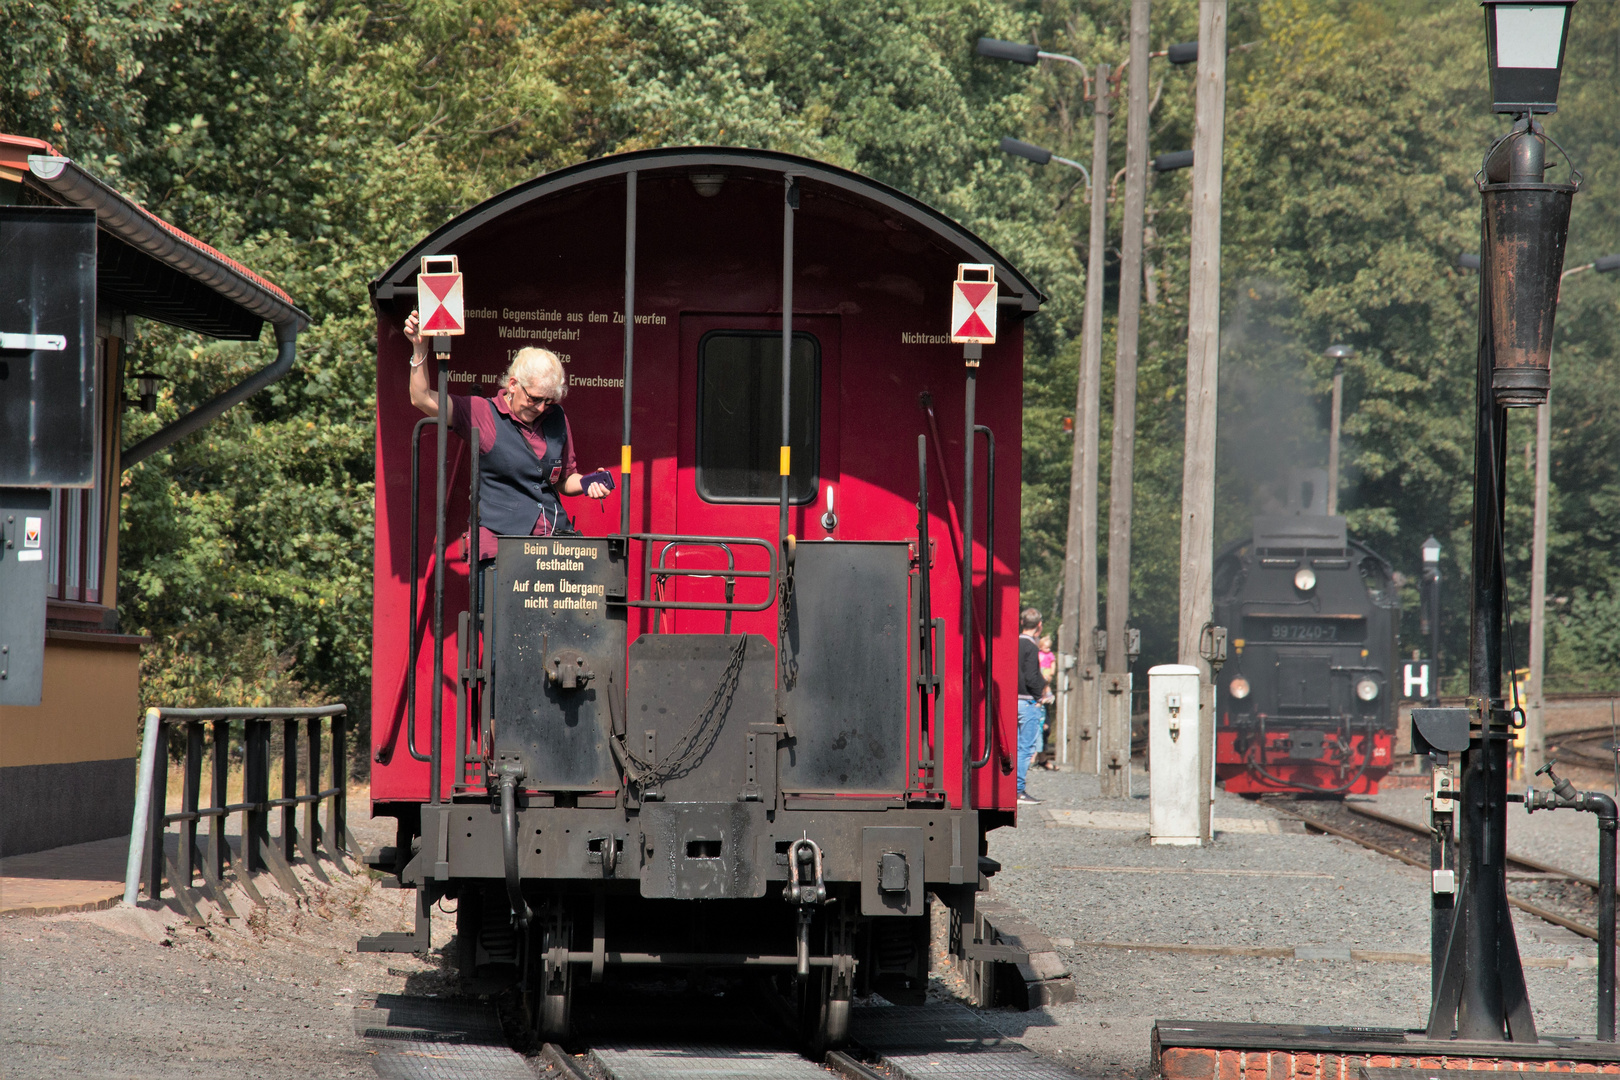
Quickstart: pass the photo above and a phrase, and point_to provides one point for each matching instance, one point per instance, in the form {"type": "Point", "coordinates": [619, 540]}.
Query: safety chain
{"type": "Point", "coordinates": [668, 767]}
{"type": "Point", "coordinates": [790, 662]}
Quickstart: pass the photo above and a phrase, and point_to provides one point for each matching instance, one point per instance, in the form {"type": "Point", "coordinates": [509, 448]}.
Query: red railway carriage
{"type": "Point", "coordinates": [753, 678]}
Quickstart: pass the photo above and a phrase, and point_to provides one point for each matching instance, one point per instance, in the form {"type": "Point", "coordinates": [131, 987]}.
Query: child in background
{"type": "Point", "coordinates": [1048, 661]}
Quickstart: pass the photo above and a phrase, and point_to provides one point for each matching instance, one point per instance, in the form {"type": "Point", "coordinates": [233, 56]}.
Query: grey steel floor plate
{"type": "Point", "coordinates": [417, 1038]}
{"type": "Point", "coordinates": [942, 1041]}
{"type": "Point", "coordinates": [659, 1062]}
{"type": "Point", "coordinates": [449, 1061]}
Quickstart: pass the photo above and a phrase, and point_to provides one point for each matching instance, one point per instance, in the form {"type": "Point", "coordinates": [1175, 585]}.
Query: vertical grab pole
{"type": "Point", "coordinates": [441, 351]}
{"type": "Point", "coordinates": [989, 592]}
{"type": "Point", "coordinates": [925, 613]}
{"type": "Point", "coordinates": [970, 356]}
{"type": "Point", "coordinates": [629, 343]}
{"type": "Point", "coordinates": [790, 203]}
{"type": "Point", "coordinates": [473, 665]}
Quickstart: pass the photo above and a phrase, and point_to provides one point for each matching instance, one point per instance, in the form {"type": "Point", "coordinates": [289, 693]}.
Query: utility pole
{"type": "Point", "coordinates": [1535, 720]}
{"type": "Point", "coordinates": [1337, 353]}
{"type": "Point", "coordinates": [1077, 653]}
{"type": "Point", "coordinates": [1116, 679]}
{"type": "Point", "coordinates": [1080, 556]}
{"type": "Point", "coordinates": [1203, 341]}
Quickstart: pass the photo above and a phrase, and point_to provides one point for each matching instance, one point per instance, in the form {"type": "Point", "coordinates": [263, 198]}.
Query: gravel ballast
{"type": "Point", "coordinates": [1251, 889]}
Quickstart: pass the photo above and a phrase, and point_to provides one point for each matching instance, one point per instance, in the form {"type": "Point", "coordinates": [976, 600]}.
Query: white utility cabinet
{"type": "Point", "coordinates": [1178, 788]}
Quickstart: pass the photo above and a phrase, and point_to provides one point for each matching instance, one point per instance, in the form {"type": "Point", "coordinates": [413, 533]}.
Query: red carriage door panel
{"type": "Point", "coordinates": [728, 475]}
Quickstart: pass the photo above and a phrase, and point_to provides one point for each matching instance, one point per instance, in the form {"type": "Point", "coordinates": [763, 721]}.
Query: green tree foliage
{"type": "Point", "coordinates": [315, 140]}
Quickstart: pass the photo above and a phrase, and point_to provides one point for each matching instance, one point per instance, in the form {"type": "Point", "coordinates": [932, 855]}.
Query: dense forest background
{"type": "Point", "coordinates": [314, 140]}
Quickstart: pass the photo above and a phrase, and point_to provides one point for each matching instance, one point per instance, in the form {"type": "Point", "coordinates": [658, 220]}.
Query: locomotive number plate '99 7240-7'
{"type": "Point", "coordinates": [1272, 629]}
{"type": "Point", "coordinates": [559, 656]}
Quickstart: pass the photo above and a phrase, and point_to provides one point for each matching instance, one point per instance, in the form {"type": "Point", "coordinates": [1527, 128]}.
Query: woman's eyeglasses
{"type": "Point", "coordinates": [535, 399]}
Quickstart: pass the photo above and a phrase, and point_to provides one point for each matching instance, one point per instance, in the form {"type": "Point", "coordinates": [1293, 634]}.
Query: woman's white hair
{"type": "Point", "coordinates": [540, 372]}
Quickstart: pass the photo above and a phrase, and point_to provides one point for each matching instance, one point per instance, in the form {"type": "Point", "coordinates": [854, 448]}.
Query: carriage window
{"type": "Point", "coordinates": [739, 423]}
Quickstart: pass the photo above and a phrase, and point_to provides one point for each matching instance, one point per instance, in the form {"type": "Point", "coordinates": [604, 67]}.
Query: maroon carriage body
{"type": "Point", "coordinates": [544, 265]}
{"type": "Point", "coordinates": [646, 785]}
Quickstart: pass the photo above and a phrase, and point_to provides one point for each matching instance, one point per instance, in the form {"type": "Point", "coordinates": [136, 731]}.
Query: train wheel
{"type": "Point", "coordinates": [814, 994]}
{"type": "Point", "coordinates": [554, 997]}
{"type": "Point", "coordinates": [823, 1005]}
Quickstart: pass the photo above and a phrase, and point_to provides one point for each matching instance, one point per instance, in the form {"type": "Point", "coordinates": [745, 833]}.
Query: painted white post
{"type": "Point", "coordinates": [143, 802]}
{"type": "Point", "coordinates": [1177, 778]}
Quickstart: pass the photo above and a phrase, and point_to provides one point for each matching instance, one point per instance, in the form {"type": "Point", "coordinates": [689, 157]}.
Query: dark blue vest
{"type": "Point", "coordinates": [517, 486]}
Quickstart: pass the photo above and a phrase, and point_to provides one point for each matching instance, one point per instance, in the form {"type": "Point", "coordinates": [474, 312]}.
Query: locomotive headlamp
{"type": "Point", "coordinates": [1367, 689]}
{"type": "Point", "coordinates": [1238, 687]}
{"type": "Point", "coordinates": [1305, 579]}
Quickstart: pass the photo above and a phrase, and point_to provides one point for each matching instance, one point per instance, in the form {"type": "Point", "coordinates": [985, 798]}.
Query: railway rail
{"type": "Point", "coordinates": [1593, 747]}
{"type": "Point", "coordinates": [697, 1034]}
{"type": "Point", "coordinates": [1558, 896]}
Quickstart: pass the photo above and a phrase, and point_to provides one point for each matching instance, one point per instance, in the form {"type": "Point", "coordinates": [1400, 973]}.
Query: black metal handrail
{"type": "Point", "coordinates": [722, 542]}
{"type": "Point", "coordinates": [207, 732]}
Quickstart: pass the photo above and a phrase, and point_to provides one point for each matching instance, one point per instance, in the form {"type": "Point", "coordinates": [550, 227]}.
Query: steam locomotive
{"type": "Point", "coordinates": [1307, 702]}
{"type": "Point", "coordinates": [757, 715]}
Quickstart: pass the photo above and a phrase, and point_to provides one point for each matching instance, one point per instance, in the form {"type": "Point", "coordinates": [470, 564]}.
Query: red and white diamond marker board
{"type": "Point", "coordinates": [438, 296]}
{"type": "Point", "coordinates": [973, 304]}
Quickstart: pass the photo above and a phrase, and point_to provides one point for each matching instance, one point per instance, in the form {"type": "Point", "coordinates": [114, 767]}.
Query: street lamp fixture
{"type": "Point", "coordinates": [1040, 155]}
{"type": "Point", "coordinates": [1525, 43]}
{"type": "Point", "coordinates": [146, 391]}
{"type": "Point", "coordinates": [1431, 552]}
{"type": "Point", "coordinates": [1183, 52]}
{"type": "Point", "coordinates": [995, 49]}
{"type": "Point", "coordinates": [1176, 159]}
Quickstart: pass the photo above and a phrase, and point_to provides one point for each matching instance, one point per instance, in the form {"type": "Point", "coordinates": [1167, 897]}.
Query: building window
{"type": "Point", "coordinates": [739, 422]}
{"type": "Point", "coordinates": [75, 567]}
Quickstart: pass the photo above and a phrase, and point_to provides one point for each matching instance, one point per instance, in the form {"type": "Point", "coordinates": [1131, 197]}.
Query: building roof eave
{"type": "Point", "coordinates": [150, 234]}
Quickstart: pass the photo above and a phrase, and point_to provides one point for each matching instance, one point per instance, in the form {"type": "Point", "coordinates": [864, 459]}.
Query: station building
{"type": "Point", "coordinates": [67, 765]}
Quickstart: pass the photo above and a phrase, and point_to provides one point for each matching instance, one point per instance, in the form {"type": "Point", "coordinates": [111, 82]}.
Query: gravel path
{"type": "Point", "coordinates": [1251, 888]}
{"type": "Point", "coordinates": [140, 993]}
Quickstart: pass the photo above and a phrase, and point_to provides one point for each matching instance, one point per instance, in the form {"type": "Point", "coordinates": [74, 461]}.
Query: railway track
{"type": "Point", "coordinates": [1592, 747]}
{"type": "Point", "coordinates": [556, 1063]}
{"type": "Point", "coordinates": [696, 1034]}
{"type": "Point", "coordinates": [1558, 896]}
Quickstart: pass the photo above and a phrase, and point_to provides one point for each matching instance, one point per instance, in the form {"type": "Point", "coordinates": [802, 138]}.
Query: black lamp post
{"type": "Point", "coordinates": [1479, 991]}
{"type": "Point", "coordinates": [1430, 615]}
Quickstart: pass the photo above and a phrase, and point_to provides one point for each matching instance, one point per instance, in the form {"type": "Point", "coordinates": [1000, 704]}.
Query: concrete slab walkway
{"type": "Point", "coordinates": [80, 877]}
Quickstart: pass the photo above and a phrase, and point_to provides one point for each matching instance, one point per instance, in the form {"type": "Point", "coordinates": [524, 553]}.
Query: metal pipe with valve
{"type": "Point", "coordinates": [1563, 796]}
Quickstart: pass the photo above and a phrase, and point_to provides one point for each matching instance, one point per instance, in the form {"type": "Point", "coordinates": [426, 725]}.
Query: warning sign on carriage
{"type": "Point", "coordinates": [973, 304]}
{"type": "Point", "coordinates": [439, 296]}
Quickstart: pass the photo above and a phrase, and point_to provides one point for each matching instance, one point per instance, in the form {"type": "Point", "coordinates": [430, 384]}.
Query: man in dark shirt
{"type": "Point", "coordinates": [1031, 689]}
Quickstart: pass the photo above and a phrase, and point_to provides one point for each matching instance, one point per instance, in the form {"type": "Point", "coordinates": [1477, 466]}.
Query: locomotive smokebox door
{"type": "Point", "coordinates": [558, 640]}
